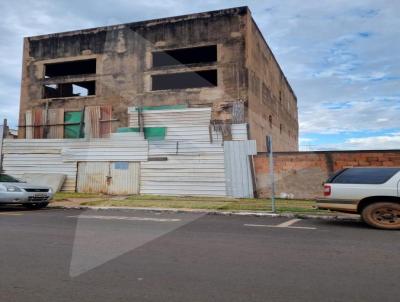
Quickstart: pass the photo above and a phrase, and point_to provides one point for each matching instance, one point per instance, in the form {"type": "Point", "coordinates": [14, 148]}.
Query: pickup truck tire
{"type": "Point", "coordinates": [36, 206]}
{"type": "Point", "coordinates": [382, 215]}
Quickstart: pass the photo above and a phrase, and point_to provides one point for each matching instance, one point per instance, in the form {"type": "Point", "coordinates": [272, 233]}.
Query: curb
{"type": "Point", "coordinates": [349, 217]}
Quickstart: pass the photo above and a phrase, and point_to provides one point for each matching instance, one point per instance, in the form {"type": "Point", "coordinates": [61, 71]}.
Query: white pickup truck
{"type": "Point", "coordinates": [372, 192]}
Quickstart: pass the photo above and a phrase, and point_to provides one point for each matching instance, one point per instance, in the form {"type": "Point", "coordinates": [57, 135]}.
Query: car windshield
{"type": "Point", "coordinates": [7, 178]}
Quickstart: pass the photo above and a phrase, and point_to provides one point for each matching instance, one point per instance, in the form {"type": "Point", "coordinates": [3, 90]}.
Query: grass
{"type": "Point", "coordinates": [66, 195]}
{"type": "Point", "coordinates": [208, 203]}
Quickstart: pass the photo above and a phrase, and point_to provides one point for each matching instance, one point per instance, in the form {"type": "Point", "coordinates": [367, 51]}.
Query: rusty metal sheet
{"type": "Point", "coordinates": [39, 119]}
{"type": "Point", "coordinates": [92, 177]}
{"type": "Point", "coordinates": [28, 124]}
{"type": "Point", "coordinates": [115, 178]}
{"type": "Point", "coordinates": [56, 120]}
{"type": "Point", "coordinates": [92, 122]}
{"type": "Point", "coordinates": [105, 121]}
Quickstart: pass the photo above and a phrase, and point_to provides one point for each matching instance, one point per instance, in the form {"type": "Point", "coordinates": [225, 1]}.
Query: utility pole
{"type": "Point", "coordinates": [271, 171]}
{"type": "Point", "coordinates": [2, 135]}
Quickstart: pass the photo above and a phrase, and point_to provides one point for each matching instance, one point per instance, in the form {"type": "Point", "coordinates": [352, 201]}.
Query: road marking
{"type": "Point", "coordinates": [11, 214]}
{"type": "Point", "coordinates": [287, 224]}
{"type": "Point", "coordinates": [126, 218]}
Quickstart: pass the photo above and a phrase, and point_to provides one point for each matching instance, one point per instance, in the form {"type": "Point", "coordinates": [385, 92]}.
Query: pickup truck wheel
{"type": "Point", "coordinates": [36, 206]}
{"type": "Point", "coordinates": [382, 215]}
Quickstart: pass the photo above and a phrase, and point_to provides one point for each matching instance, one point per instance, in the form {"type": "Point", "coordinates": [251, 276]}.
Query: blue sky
{"type": "Point", "coordinates": [342, 58]}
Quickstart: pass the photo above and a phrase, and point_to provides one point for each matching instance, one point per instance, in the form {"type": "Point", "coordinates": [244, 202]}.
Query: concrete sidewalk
{"type": "Point", "coordinates": [332, 216]}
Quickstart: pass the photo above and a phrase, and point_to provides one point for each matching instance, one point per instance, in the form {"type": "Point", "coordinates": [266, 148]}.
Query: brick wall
{"type": "Point", "coordinates": [301, 174]}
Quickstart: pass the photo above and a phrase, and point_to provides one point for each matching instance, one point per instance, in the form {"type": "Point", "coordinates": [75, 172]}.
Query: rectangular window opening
{"type": "Point", "coordinates": [183, 80]}
{"type": "Point", "coordinates": [76, 89]}
{"type": "Point", "coordinates": [185, 56]}
{"type": "Point", "coordinates": [72, 68]}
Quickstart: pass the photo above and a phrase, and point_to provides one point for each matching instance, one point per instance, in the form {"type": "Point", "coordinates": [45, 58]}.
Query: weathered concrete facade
{"type": "Point", "coordinates": [244, 71]}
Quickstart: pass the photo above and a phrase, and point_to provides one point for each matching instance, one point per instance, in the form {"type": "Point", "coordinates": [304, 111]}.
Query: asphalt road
{"type": "Point", "coordinates": [71, 255]}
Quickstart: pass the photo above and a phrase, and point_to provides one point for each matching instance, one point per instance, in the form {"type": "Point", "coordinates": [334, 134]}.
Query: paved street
{"type": "Point", "coordinates": [74, 255]}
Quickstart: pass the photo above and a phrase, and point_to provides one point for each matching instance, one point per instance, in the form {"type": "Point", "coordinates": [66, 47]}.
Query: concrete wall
{"type": "Point", "coordinates": [301, 174]}
{"type": "Point", "coordinates": [124, 66]}
{"type": "Point", "coordinates": [270, 96]}
{"type": "Point", "coordinates": [247, 71]}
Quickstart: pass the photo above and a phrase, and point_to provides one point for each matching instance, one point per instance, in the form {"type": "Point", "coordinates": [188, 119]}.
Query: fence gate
{"type": "Point", "coordinates": [108, 177]}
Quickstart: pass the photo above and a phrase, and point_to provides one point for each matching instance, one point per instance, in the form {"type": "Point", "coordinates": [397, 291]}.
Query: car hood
{"type": "Point", "coordinates": [24, 185]}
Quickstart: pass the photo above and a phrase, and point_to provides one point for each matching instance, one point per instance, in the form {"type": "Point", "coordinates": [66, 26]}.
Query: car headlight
{"type": "Point", "coordinates": [50, 190]}
{"type": "Point", "coordinates": [13, 189]}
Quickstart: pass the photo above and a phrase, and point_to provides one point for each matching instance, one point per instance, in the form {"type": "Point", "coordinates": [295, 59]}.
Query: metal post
{"type": "Point", "coordinates": [2, 135]}
{"type": "Point", "coordinates": [271, 171]}
{"type": "Point", "coordinates": [82, 123]}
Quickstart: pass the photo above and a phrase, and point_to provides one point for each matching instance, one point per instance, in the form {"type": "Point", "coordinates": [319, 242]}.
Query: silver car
{"type": "Point", "coordinates": [14, 191]}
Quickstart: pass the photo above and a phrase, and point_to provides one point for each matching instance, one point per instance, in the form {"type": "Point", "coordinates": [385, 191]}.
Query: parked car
{"type": "Point", "coordinates": [14, 191]}
{"type": "Point", "coordinates": [372, 192]}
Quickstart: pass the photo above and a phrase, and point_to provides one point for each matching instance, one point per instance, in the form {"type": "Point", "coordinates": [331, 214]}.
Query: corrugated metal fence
{"type": "Point", "coordinates": [238, 168]}
{"type": "Point", "coordinates": [62, 155]}
{"type": "Point", "coordinates": [184, 168]}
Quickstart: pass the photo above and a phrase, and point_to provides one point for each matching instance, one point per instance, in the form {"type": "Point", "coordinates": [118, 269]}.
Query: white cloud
{"type": "Point", "coordinates": [332, 52]}
{"type": "Point", "coordinates": [374, 142]}
{"type": "Point", "coordinates": [306, 140]}
{"type": "Point", "coordinates": [374, 114]}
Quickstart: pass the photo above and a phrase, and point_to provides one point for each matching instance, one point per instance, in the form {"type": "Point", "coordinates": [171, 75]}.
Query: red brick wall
{"type": "Point", "coordinates": [301, 174]}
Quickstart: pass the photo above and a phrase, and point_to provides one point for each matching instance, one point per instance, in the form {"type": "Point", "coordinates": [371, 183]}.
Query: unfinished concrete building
{"type": "Point", "coordinates": [215, 59]}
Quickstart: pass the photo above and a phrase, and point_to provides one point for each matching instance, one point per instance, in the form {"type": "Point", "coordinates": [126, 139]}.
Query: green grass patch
{"type": "Point", "coordinates": [210, 203]}
{"type": "Point", "coordinates": [70, 195]}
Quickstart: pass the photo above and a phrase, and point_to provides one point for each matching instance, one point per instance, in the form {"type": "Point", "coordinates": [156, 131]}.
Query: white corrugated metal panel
{"type": "Point", "coordinates": [62, 155]}
{"type": "Point", "coordinates": [173, 117]}
{"type": "Point", "coordinates": [182, 124]}
{"type": "Point", "coordinates": [239, 132]}
{"type": "Point", "coordinates": [198, 133]}
{"type": "Point", "coordinates": [123, 147]}
{"type": "Point", "coordinates": [193, 133]}
{"type": "Point", "coordinates": [124, 178]}
{"type": "Point", "coordinates": [237, 168]}
{"type": "Point", "coordinates": [30, 156]}
{"type": "Point", "coordinates": [43, 164]}
{"type": "Point", "coordinates": [129, 135]}
{"type": "Point", "coordinates": [175, 147]}
{"type": "Point", "coordinates": [128, 152]}
{"type": "Point", "coordinates": [184, 175]}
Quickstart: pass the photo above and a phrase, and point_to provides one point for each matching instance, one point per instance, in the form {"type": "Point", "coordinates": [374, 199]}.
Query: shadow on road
{"type": "Point", "coordinates": [346, 224]}
{"type": "Point", "coordinates": [19, 208]}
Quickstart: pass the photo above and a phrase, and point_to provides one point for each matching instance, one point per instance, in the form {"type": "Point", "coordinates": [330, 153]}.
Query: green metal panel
{"type": "Point", "coordinates": [127, 129]}
{"type": "Point", "coordinates": [155, 133]}
{"type": "Point", "coordinates": [150, 133]}
{"type": "Point", "coordinates": [72, 131]}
